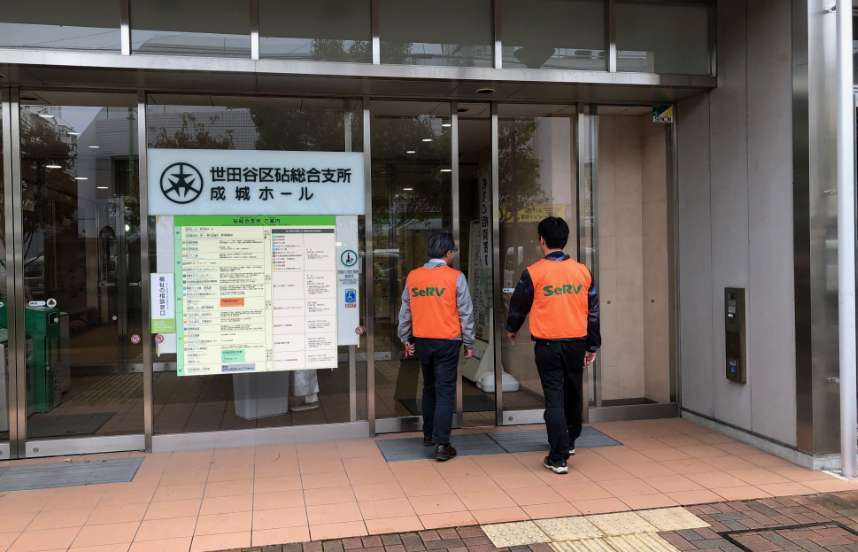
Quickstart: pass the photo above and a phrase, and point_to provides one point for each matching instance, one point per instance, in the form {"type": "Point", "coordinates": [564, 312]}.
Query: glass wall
{"type": "Point", "coordinates": [556, 34]}
{"type": "Point", "coordinates": [199, 27]}
{"type": "Point", "coordinates": [537, 168]}
{"type": "Point", "coordinates": [324, 30]}
{"type": "Point", "coordinates": [4, 299]}
{"type": "Point", "coordinates": [81, 254]}
{"type": "Point", "coordinates": [443, 32]}
{"type": "Point", "coordinates": [90, 25]}
{"type": "Point", "coordinates": [664, 37]}
{"type": "Point", "coordinates": [411, 198]}
{"type": "Point", "coordinates": [242, 401]}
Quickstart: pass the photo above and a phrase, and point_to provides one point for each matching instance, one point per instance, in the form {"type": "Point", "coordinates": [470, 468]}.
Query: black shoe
{"type": "Point", "coordinates": [444, 452]}
{"type": "Point", "coordinates": [570, 454]}
{"type": "Point", "coordinates": [427, 441]}
{"type": "Point", "coordinates": [557, 466]}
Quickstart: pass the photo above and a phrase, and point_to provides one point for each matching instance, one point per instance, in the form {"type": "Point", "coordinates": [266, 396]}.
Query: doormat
{"type": "Point", "coordinates": [475, 444]}
{"type": "Point", "coordinates": [68, 474]}
{"type": "Point", "coordinates": [411, 448]}
{"type": "Point", "coordinates": [40, 426]}
{"type": "Point", "coordinates": [537, 440]}
{"type": "Point", "coordinates": [470, 403]}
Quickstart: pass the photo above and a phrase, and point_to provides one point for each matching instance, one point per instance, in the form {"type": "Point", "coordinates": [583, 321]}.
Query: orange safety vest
{"type": "Point", "coordinates": [560, 299]}
{"type": "Point", "coordinates": [432, 295]}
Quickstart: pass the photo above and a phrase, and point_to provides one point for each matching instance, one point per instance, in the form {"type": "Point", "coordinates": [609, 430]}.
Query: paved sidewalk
{"type": "Point", "coordinates": [242, 497]}
{"type": "Point", "coordinates": [823, 522]}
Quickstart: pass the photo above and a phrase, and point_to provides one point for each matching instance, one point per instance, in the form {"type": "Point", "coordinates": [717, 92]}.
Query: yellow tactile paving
{"type": "Point", "coordinates": [672, 519]}
{"type": "Point", "coordinates": [645, 542]}
{"type": "Point", "coordinates": [586, 545]}
{"type": "Point", "coordinates": [569, 528]}
{"type": "Point", "coordinates": [624, 523]}
{"type": "Point", "coordinates": [520, 533]}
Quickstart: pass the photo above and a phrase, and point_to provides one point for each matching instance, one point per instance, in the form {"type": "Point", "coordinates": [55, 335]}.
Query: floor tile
{"type": "Point", "coordinates": [582, 491]}
{"type": "Point", "coordinates": [114, 533]}
{"type": "Point", "coordinates": [378, 492]}
{"type": "Point", "coordinates": [587, 545]}
{"type": "Point", "coordinates": [623, 523]}
{"type": "Point", "coordinates": [229, 488]}
{"type": "Point", "coordinates": [627, 487]}
{"type": "Point", "coordinates": [179, 492]}
{"type": "Point", "coordinates": [158, 529]}
{"type": "Point", "coordinates": [13, 522]}
{"type": "Point", "coordinates": [600, 505]}
{"type": "Point", "coordinates": [553, 510]}
{"type": "Point", "coordinates": [786, 489]}
{"type": "Point", "coordinates": [182, 544]}
{"type": "Point", "coordinates": [272, 501]}
{"type": "Point", "coordinates": [327, 531]}
{"type": "Point", "coordinates": [226, 504]}
{"type": "Point", "coordinates": [536, 494]}
{"type": "Point", "coordinates": [173, 509]}
{"type": "Point", "coordinates": [672, 519]}
{"type": "Point", "coordinates": [333, 513]}
{"type": "Point", "coordinates": [758, 476]}
{"type": "Point", "coordinates": [447, 519]}
{"type": "Point", "coordinates": [280, 518]}
{"type": "Point", "coordinates": [226, 541]}
{"type": "Point", "coordinates": [57, 519]}
{"type": "Point", "coordinates": [51, 539]}
{"type": "Point", "coordinates": [117, 514]}
{"type": "Point", "coordinates": [521, 533]}
{"type": "Point", "coordinates": [276, 484]}
{"type": "Point", "coordinates": [485, 500]}
{"type": "Point", "coordinates": [744, 492]}
{"type": "Point", "coordinates": [687, 498]}
{"type": "Point", "coordinates": [123, 547]}
{"type": "Point", "coordinates": [399, 524]}
{"type": "Point", "coordinates": [673, 484]}
{"type": "Point", "coordinates": [437, 504]}
{"type": "Point", "coordinates": [283, 535]}
{"type": "Point", "coordinates": [390, 508]}
{"type": "Point", "coordinates": [328, 495]}
{"type": "Point", "coordinates": [569, 528]}
{"type": "Point", "coordinates": [322, 480]}
{"type": "Point", "coordinates": [649, 501]}
{"type": "Point", "coordinates": [500, 515]}
{"type": "Point", "coordinates": [235, 522]}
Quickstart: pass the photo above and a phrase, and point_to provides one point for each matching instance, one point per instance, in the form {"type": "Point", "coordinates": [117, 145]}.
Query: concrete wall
{"type": "Point", "coordinates": [734, 223]}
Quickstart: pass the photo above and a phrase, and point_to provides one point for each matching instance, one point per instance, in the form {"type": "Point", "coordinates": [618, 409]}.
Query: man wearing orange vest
{"type": "Point", "coordinates": [436, 318]}
{"type": "Point", "coordinates": [559, 295]}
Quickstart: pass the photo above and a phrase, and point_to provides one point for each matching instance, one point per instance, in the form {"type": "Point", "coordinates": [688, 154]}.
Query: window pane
{"type": "Point", "coordinates": [271, 399]}
{"type": "Point", "coordinates": [559, 34]}
{"type": "Point", "coordinates": [201, 27]}
{"type": "Point", "coordinates": [81, 249]}
{"type": "Point", "coordinates": [329, 30]}
{"type": "Point", "coordinates": [90, 25]}
{"type": "Point", "coordinates": [4, 326]}
{"type": "Point", "coordinates": [663, 38]}
{"type": "Point", "coordinates": [443, 32]}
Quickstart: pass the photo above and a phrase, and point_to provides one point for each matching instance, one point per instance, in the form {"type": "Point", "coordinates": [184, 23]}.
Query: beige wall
{"type": "Point", "coordinates": [633, 258]}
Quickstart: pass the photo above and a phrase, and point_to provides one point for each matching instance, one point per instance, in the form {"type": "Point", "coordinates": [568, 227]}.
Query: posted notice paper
{"type": "Point", "coordinates": [255, 293]}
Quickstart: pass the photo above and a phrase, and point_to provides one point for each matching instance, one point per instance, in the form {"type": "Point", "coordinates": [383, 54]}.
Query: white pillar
{"type": "Point", "coordinates": [846, 237]}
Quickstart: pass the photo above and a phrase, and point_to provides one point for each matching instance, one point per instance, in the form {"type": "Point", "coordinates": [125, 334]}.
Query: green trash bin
{"type": "Point", "coordinates": [42, 325]}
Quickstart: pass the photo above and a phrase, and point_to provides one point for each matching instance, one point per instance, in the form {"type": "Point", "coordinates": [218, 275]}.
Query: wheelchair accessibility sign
{"type": "Point", "coordinates": [350, 298]}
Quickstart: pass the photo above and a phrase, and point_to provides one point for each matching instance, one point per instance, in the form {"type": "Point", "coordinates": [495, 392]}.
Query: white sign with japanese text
{"type": "Point", "coordinates": [255, 182]}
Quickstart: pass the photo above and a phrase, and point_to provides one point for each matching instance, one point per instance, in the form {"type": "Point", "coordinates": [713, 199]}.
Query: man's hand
{"type": "Point", "coordinates": [469, 352]}
{"type": "Point", "coordinates": [589, 358]}
{"type": "Point", "coordinates": [511, 336]}
{"type": "Point", "coordinates": [409, 349]}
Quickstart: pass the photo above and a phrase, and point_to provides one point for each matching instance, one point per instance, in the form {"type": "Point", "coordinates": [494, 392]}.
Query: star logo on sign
{"type": "Point", "coordinates": [181, 183]}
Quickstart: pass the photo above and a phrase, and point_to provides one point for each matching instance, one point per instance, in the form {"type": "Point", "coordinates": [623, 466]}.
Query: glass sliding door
{"type": "Point", "coordinates": [538, 177]}
{"type": "Point", "coordinates": [411, 199]}
{"type": "Point", "coordinates": [6, 390]}
{"type": "Point", "coordinates": [81, 268]}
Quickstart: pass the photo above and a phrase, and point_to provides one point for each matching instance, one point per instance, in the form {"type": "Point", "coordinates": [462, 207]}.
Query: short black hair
{"type": "Point", "coordinates": [554, 231]}
{"type": "Point", "coordinates": [439, 243]}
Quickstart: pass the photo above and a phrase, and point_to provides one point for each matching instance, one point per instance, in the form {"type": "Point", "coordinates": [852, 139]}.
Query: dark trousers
{"type": "Point", "coordinates": [561, 370]}
{"type": "Point", "coordinates": [439, 359]}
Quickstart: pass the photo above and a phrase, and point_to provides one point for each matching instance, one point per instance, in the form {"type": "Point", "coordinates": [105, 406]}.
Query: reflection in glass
{"type": "Point", "coordinates": [4, 302]}
{"type": "Point", "coordinates": [198, 27]}
{"type": "Point", "coordinates": [656, 37]}
{"type": "Point", "coordinates": [556, 34]}
{"type": "Point", "coordinates": [443, 32]}
{"type": "Point", "coordinates": [273, 399]}
{"type": "Point", "coordinates": [411, 199]}
{"type": "Point", "coordinates": [325, 30]}
{"type": "Point", "coordinates": [90, 25]}
{"type": "Point", "coordinates": [81, 249]}
{"type": "Point", "coordinates": [537, 179]}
